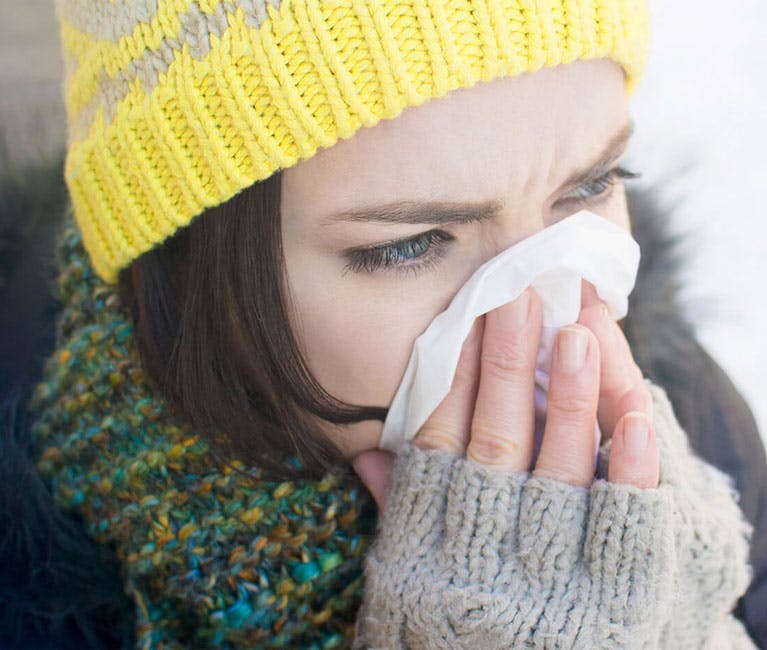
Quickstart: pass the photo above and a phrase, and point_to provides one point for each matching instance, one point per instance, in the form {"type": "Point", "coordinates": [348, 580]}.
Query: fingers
{"type": "Point", "coordinates": [619, 373]}
{"type": "Point", "coordinates": [504, 414]}
{"type": "Point", "coordinates": [634, 452]}
{"type": "Point", "coordinates": [490, 410]}
{"type": "Point", "coordinates": [567, 450]}
{"type": "Point", "coordinates": [625, 404]}
{"type": "Point", "coordinates": [448, 426]}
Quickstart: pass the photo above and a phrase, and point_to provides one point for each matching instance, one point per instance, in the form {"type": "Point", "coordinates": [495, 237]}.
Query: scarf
{"type": "Point", "coordinates": [212, 557]}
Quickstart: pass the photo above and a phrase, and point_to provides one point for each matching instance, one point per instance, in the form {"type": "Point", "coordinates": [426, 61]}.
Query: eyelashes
{"type": "Point", "coordinates": [427, 248]}
{"type": "Point", "coordinates": [602, 184]}
{"type": "Point", "coordinates": [424, 251]}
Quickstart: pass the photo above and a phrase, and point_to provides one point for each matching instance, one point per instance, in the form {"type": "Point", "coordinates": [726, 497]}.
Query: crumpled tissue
{"type": "Point", "coordinates": [554, 261]}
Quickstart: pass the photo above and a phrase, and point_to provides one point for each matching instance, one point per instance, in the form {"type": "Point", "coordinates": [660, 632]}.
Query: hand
{"type": "Point", "coordinates": [480, 546]}
{"type": "Point", "coordinates": [489, 411]}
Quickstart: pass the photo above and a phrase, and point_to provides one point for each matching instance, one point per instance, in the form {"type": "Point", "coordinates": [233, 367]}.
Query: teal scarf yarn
{"type": "Point", "coordinates": [212, 557]}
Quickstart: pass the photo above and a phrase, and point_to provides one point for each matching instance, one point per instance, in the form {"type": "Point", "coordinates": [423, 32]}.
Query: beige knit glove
{"type": "Point", "coordinates": [470, 557]}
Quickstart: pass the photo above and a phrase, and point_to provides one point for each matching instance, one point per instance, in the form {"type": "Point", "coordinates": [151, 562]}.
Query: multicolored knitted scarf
{"type": "Point", "coordinates": [213, 558]}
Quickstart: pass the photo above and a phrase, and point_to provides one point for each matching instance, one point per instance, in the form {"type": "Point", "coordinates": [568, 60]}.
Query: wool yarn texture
{"type": "Point", "coordinates": [176, 106]}
{"type": "Point", "coordinates": [210, 556]}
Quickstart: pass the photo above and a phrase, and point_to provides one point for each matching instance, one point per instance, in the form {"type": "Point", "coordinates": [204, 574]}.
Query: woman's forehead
{"type": "Point", "coordinates": [475, 141]}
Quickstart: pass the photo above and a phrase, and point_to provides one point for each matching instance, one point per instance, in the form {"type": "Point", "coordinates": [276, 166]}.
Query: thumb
{"type": "Point", "coordinates": [374, 468]}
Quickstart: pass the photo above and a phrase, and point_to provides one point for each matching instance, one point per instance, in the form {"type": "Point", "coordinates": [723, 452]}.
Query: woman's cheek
{"type": "Point", "coordinates": [360, 364]}
{"type": "Point", "coordinates": [357, 335]}
{"type": "Point", "coordinates": [358, 343]}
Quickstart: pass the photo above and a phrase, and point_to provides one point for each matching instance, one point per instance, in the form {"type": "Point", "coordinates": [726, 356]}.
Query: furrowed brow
{"type": "Point", "coordinates": [449, 213]}
{"type": "Point", "coordinates": [614, 149]}
{"type": "Point", "coordinates": [423, 212]}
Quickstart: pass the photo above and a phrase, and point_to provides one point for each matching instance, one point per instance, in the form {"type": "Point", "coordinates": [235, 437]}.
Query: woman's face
{"type": "Point", "coordinates": [496, 159]}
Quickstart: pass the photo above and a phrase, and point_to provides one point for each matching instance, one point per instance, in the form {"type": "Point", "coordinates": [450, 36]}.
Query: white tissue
{"type": "Point", "coordinates": [554, 260]}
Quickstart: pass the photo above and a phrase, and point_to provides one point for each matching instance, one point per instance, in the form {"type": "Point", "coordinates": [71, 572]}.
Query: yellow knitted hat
{"type": "Point", "coordinates": [175, 106]}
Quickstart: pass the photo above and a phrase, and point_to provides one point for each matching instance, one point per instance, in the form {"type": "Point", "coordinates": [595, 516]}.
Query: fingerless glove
{"type": "Point", "coordinates": [471, 557]}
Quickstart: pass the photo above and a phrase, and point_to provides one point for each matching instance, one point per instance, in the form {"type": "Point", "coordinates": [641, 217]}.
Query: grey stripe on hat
{"type": "Point", "coordinates": [196, 29]}
{"type": "Point", "coordinates": [110, 21]}
{"type": "Point", "coordinates": [106, 20]}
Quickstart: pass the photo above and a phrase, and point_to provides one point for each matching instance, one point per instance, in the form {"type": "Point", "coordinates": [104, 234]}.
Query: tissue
{"type": "Point", "coordinates": [554, 260]}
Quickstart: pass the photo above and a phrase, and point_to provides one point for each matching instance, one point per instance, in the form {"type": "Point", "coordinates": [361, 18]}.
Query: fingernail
{"type": "Point", "coordinates": [635, 430]}
{"type": "Point", "coordinates": [571, 349]}
{"type": "Point", "coordinates": [519, 310]}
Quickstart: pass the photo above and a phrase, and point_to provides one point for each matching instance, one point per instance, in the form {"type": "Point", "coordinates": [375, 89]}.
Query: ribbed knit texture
{"type": "Point", "coordinates": [469, 557]}
{"type": "Point", "coordinates": [176, 106]}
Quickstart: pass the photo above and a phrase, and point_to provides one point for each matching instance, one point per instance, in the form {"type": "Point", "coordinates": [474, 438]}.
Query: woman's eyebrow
{"type": "Point", "coordinates": [452, 213]}
{"type": "Point", "coordinates": [614, 149]}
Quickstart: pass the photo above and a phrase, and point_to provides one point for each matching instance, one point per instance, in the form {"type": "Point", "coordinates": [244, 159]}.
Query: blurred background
{"type": "Point", "coordinates": [701, 114]}
{"type": "Point", "coordinates": [31, 107]}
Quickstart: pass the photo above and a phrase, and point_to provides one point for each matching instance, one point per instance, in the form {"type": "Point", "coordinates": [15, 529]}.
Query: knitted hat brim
{"type": "Point", "coordinates": [175, 107]}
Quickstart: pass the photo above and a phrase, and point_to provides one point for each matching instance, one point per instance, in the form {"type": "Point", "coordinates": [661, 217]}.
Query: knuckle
{"type": "Point", "coordinates": [434, 436]}
{"type": "Point", "coordinates": [570, 405]}
{"type": "Point", "coordinates": [489, 446]}
{"type": "Point", "coordinates": [505, 360]}
{"type": "Point", "coordinates": [636, 396]}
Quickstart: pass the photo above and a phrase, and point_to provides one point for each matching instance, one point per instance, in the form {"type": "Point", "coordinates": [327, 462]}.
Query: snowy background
{"type": "Point", "coordinates": [701, 117]}
{"type": "Point", "coordinates": [701, 114]}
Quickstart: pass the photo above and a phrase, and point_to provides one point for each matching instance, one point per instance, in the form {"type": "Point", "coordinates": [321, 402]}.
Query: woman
{"type": "Point", "coordinates": [265, 320]}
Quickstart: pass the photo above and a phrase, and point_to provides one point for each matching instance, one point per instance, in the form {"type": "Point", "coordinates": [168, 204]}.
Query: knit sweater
{"type": "Point", "coordinates": [462, 557]}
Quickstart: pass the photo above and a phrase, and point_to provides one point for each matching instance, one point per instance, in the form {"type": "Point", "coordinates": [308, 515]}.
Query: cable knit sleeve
{"type": "Point", "coordinates": [469, 557]}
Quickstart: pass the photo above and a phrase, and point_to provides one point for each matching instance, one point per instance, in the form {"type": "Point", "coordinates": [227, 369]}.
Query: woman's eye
{"type": "Point", "coordinates": [424, 251]}
{"type": "Point", "coordinates": [406, 255]}
{"type": "Point", "coordinates": [600, 188]}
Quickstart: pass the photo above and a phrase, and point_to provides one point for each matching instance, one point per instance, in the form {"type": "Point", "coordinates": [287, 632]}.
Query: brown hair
{"type": "Point", "coordinates": [210, 311]}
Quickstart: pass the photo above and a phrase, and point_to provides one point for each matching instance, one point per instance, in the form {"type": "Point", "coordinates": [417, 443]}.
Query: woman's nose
{"type": "Point", "coordinates": [510, 229]}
